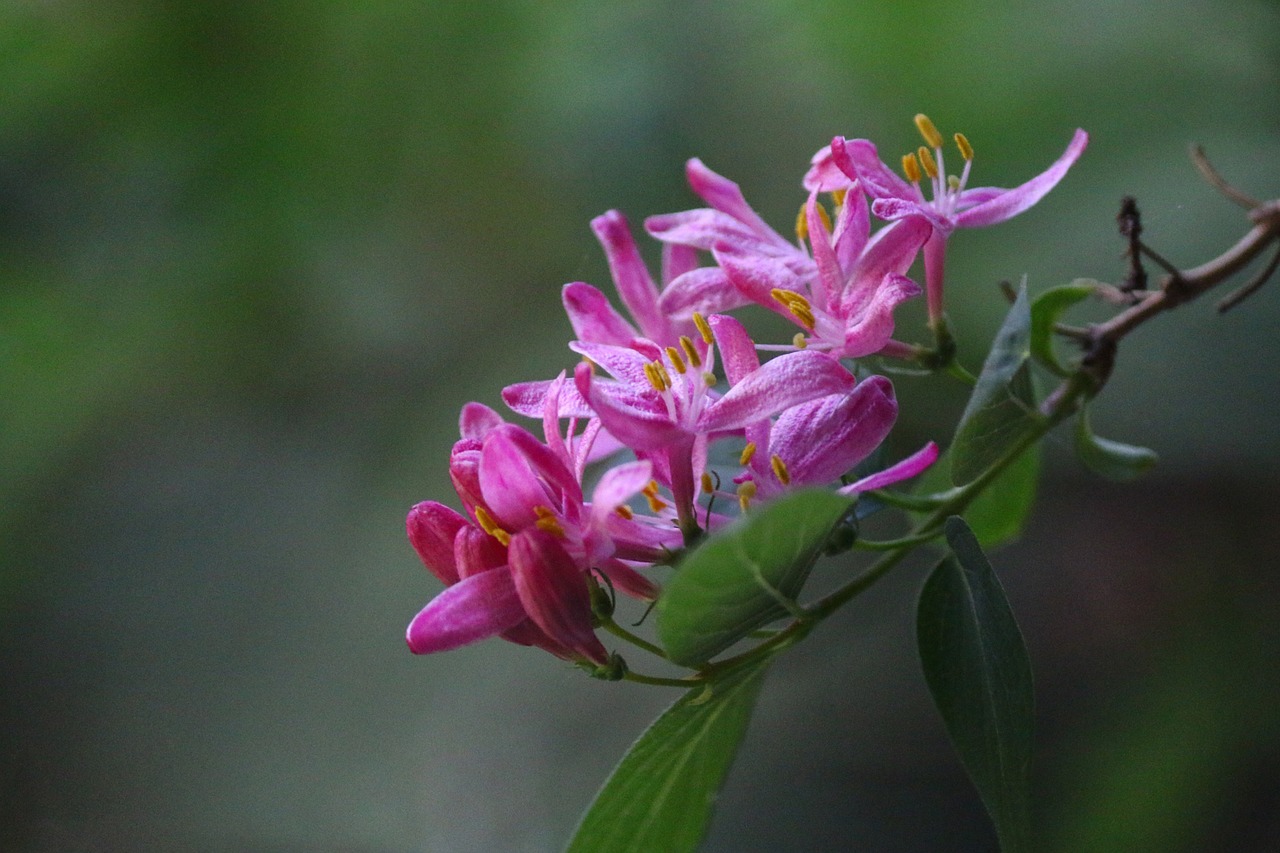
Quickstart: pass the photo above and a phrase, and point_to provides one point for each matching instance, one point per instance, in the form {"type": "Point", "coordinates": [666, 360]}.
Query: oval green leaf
{"type": "Point", "coordinates": [747, 575]}
{"type": "Point", "coordinates": [978, 671]}
{"type": "Point", "coordinates": [1111, 459]}
{"type": "Point", "coordinates": [1001, 410]}
{"type": "Point", "coordinates": [661, 795]}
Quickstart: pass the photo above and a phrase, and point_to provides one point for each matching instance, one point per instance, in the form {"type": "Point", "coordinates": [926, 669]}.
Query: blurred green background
{"type": "Point", "coordinates": [254, 256]}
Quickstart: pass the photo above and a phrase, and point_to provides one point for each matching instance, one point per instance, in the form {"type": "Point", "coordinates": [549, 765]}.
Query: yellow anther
{"type": "Point", "coordinates": [661, 369]}
{"type": "Point", "coordinates": [928, 131]}
{"type": "Point", "coordinates": [654, 376]}
{"type": "Point", "coordinates": [625, 511]}
{"type": "Point", "coordinates": [656, 503]}
{"type": "Point", "coordinates": [551, 525]}
{"type": "Point", "coordinates": [802, 225]}
{"type": "Point", "coordinates": [690, 351]}
{"type": "Point", "coordinates": [911, 168]}
{"type": "Point", "coordinates": [838, 197]}
{"type": "Point", "coordinates": [800, 341]}
{"type": "Point", "coordinates": [676, 361]}
{"type": "Point", "coordinates": [704, 328]}
{"type": "Point", "coordinates": [746, 492]}
{"type": "Point", "coordinates": [805, 315]}
{"type": "Point", "coordinates": [488, 525]}
{"type": "Point", "coordinates": [780, 469]}
{"type": "Point", "coordinates": [747, 453]}
{"type": "Point", "coordinates": [651, 488]}
{"type": "Point", "coordinates": [966, 150]}
{"type": "Point", "coordinates": [822, 214]}
{"type": "Point", "coordinates": [710, 379]}
{"type": "Point", "coordinates": [926, 160]}
{"type": "Point", "coordinates": [543, 511]}
{"type": "Point", "coordinates": [708, 485]}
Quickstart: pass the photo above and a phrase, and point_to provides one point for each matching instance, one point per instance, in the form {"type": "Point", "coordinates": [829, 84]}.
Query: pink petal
{"type": "Point", "coordinates": [786, 381]}
{"type": "Point", "coordinates": [724, 195]}
{"type": "Point", "coordinates": [853, 228]}
{"type": "Point", "coordinates": [635, 286]}
{"type": "Point", "coordinates": [891, 251]}
{"type": "Point", "coordinates": [676, 261]}
{"type": "Point", "coordinates": [530, 399]}
{"type": "Point", "coordinates": [824, 175]}
{"type": "Point", "coordinates": [737, 350]}
{"type": "Point", "coordinates": [593, 318]}
{"type": "Point", "coordinates": [756, 277]}
{"type": "Point", "coordinates": [1018, 199]}
{"type": "Point", "coordinates": [636, 427]}
{"type": "Point", "coordinates": [554, 592]}
{"type": "Point", "coordinates": [827, 285]}
{"type": "Point", "coordinates": [622, 362]}
{"type": "Point", "coordinates": [700, 228]}
{"type": "Point", "coordinates": [432, 527]}
{"type": "Point", "coordinates": [617, 486]}
{"type": "Point", "coordinates": [706, 290]}
{"type": "Point", "coordinates": [519, 473]}
{"type": "Point", "coordinates": [823, 439]}
{"type": "Point", "coordinates": [628, 580]}
{"type": "Point", "coordinates": [858, 158]}
{"type": "Point", "coordinates": [477, 419]}
{"type": "Point", "coordinates": [869, 331]}
{"type": "Point", "coordinates": [907, 468]}
{"type": "Point", "coordinates": [472, 609]}
{"type": "Point", "coordinates": [475, 551]}
{"type": "Point", "coordinates": [893, 209]}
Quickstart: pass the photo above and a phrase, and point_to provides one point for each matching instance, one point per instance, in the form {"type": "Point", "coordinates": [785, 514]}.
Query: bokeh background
{"type": "Point", "coordinates": [254, 257]}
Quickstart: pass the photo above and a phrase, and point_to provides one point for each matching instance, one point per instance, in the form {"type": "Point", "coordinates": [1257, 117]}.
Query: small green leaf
{"type": "Point", "coordinates": [746, 575]}
{"type": "Point", "coordinates": [1045, 311]}
{"type": "Point", "coordinates": [660, 796]}
{"type": "Point", "coordinates": [978, 671]}
{"type": "Point", "coordinates": [1111, 459]}
{"type": "Point", "coordinates": [1001, 410]}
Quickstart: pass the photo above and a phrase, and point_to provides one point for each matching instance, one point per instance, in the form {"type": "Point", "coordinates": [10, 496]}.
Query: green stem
{"type": "Point", "coordinates": [634, 639]}
{"type": "Point", "coordinates": [686, 683]}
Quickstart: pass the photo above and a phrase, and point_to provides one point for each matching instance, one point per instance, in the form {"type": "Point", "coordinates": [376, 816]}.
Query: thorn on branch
{"type": "Point", "coordinates": [1218, 182]}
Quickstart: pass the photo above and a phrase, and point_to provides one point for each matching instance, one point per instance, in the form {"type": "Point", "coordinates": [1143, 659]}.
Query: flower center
{"type": "Point", "coordinates": [683, 377]}
{"type": "Point", "coordinates": [927, 162]}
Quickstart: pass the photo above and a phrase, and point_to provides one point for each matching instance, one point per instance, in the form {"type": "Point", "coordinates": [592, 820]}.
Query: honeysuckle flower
{"type": "Point", "coordinates": [728, 222]}
{"type": "Point", "coordinates": [662, 402]}
{"type": "Point", "coordinates": [517, 567]}
{"type": "Point", "coordinates": [845, 308]}
{"type": "Point", "coordinates": [817, 441]}
{"type": "Point", "coordinates": [953, 204]}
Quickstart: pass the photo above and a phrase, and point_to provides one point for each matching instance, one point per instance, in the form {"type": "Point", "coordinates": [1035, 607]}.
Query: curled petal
{"type": "Point", "coordinates": [475, 552]}
{"type": "Point", "coordinates": [554, 592]}
{"type": "Point", "coordinates": [701, 228]}
{"type": "Point", "coordinates": [530, 399]}
{"type": "Point", "coordinates": [1012, 202]}
{"type": "Point", "coordinates": [893, 209]}
{"type": "Point", "coordinates": [858, 158]}
{"type": "Point", "coordinates": [907, 468]}
{"type": "Point", "coordinates": [432, 527]}
{"type": "Point", "coordinates": [632, 278]}
{"type": "Point", "coordinates": [870, 331]}
{"type": "Point", "coordinates": [593, 318]}
{"type": "Point", "coordinates": [737, 350]}
{"type": "Point", "coordinates": [724, 195]}
{"type": "Point", "coordinates": [477, 419]}
{"type": "Point", "coordinates": [853, 227]}
{"type": "Point", "coordinates": [823, 439]}
{"type": "Point", "coordinates": [472, 609]}
{"type": "Point", "coordinates": [892, 250]}
{"type": "Point", "coordinates": [786, 381]}
{"type": "Point", "coordinates": [824, 175]}
{"type": "Point", "coordinates": [706, 290]}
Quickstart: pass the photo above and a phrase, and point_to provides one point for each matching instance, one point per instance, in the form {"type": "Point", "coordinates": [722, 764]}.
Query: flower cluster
{"type": "Point", "coordinates": [677, 402]}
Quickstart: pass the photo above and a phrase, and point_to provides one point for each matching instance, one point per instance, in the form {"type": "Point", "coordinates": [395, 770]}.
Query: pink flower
{"type": "Point", "coordinates": [847, 307]}
{"type": "Point", "coordinates": [817, 441]}
{"type": "Point", "coordinates": [953, 204]}
{"type": "Point", "coordinates": [517, 566]}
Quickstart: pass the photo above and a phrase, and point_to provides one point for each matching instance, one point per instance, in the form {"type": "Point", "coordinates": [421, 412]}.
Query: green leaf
{"type": "Point", "coordinates": [1111, 459]}
{"type": "Point", "coordinates": [979, 674]}
{"type": "Point", "coordinates": [660, 796]}
{"type": "Point", "coordinates": [746, 575]}
{"type": "Point", "coordinates": [1045, 311]}
{"type": "Point", "coordinates": [1001, 410]}
{"type": "Point", "coordinates": [999, 513]}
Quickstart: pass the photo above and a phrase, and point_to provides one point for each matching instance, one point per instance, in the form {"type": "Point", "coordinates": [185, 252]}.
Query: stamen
{"type": "Point", "coordinates": [802, 225]}
{"type": "Point", "coordinates": [746, 492]}
{"type": "Point", "coordinates": [747, 453]}
{"type": "Point", "coordinates": [550, 525]}
{"type": "Point", "coordinates": [704, 328]}
{"type": "Point", "coordinates": [655, 378]}
{"type": "Point", "coordinates": [690, 351]}
{"type": "Point", "coordinates": [966, 150]}
{"type": "Point", "coordinates": [780, 469]}
{"type": "Point", "coordinates": [911, 168]}
{"type": "Point", "coordinates": [625, 511]}
{"type": "Point", "coordinates": [488, 525]}
{"type": "Point", "coordinates": [800, 341]}
{"type": "Point", "coordinates": [661, 369]}
{"type": "Point", "coordinates": [824, 216]}
{"type": "Point", "coordinates": [676, 361]}
{"type": "Point", "coordinates": [838, 197]}
{"type": "Point", "coordinates": [926, 160]}
{"type": "Point", "coordinates": [708, 486]}
{"type": "Point", "coordinates": [928, 131]}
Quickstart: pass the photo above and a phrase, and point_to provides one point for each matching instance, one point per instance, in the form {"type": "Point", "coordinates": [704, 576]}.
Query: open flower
{"type": "Point", "coordinates": [845, 308]}
{"type": "Point", "coordinates": [953, 203]}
